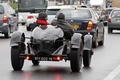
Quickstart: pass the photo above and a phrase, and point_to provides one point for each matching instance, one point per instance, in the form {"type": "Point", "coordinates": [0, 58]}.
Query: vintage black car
{"type": "Point", "coordinates": [50, 45]}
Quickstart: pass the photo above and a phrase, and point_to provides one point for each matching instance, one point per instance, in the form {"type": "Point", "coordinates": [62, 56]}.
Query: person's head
{"type": "Point", "coordinates": [42, 16]}
{"type": "Point", "coordinates": [42, 20]}
{"type": "Point", "coordinates": [61, 16]}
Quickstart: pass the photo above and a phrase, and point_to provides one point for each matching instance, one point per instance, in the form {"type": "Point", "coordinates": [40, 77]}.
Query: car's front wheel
{"type": "Point", "coordinates": [109, 30]}
{"type": "Point", "coordinates": [7, 35]}
{"type": "Point", "coordinates": [35, 62]}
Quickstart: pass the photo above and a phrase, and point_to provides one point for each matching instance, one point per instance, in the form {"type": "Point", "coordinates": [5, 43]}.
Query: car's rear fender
{"type": "Point", "coordinates": [76, 40]}
{"type": "Point", "coordinates": [87, 42]}
{"type": "Point", "coordinates": [16, 38]}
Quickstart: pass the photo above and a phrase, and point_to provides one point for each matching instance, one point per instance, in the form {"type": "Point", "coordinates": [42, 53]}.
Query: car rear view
{"type": "Point", "coordinates": [8, 20]}
{"type": "Point", "coordinates": [114, 21]}
{"type": "Point", "coordinates": [85, 21]}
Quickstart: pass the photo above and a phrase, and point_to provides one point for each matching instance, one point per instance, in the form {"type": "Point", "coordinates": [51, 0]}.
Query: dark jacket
{"type": "Point", "coordinates": [66, 27]}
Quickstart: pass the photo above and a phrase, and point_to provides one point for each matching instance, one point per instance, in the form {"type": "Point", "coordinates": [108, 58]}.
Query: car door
{"type": "Point", "coordinates": [11, 21]}
{"type": "Point", "coordinates": [100, 26]}
{"type": "Point", "coordinates": [1, 15]}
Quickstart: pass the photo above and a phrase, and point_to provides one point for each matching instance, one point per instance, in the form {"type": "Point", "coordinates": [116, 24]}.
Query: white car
{"type": "Point", "coordinates": [22, 17]}
{"type": "Point", "coordinates": [32, 17]}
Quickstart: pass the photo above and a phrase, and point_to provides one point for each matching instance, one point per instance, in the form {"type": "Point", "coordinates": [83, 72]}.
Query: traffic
{"type": "Point", "coordinates": [70, 33]}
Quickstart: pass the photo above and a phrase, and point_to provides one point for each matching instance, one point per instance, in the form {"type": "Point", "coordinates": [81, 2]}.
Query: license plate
{"type": "Point", "coordinates": [75, 26]}
{"type": "Point", "coordinates": [43, 58]}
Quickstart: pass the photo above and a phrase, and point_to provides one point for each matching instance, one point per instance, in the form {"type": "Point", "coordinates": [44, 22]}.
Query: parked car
{"type": "Point", "coordinates": [8, 19]}
{"type": "Point", "coordinates": [85, 20]}
{"type": "Point", "coordinates": [114, 20]}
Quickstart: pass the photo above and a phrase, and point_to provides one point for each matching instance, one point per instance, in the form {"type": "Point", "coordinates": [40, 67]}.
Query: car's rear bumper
{"type": "Point", "coordinates": [114, 25]}
{"type": "Point", "coordinates": [28, 22]}
{"type": "Point", "coordinates": [4, 28]}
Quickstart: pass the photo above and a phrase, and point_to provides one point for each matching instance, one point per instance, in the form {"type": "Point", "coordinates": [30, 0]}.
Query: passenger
{"type": "Point", "coordinates": [65, 26]}
{"type": "Point", "coordinates": [41, 20]}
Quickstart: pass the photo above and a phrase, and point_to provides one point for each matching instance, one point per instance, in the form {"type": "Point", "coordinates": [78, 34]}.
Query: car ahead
{"type": "Point", "coordinates": [108, 11]}
{"type": "Point", "coordinates": [51, 12]}
{"type": "Point", "coordinates": [32, 17]}
{"type": "Point", "coordinates": [8, 20]}
{"type": "Point", "coordinates": [84, 21]}
{"type": "Point", "coordinates": [114, 20]}
{"type": "Point", "coordinates": [102, 16]}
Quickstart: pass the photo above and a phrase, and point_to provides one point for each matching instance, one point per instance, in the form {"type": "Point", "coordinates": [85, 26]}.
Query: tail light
{"type": "Point", "coordinates": [90, 25]}
{"type": "Point", "coordinates": [29, 17]}
{"type": "Point", "coordinates": [5, 19]}
{"type": "Point", "coordinates": [109, 19]}
{"type": "Point", "coordinates": [27, 57]}
{"type": "Point", "coordinates": [57, 58]}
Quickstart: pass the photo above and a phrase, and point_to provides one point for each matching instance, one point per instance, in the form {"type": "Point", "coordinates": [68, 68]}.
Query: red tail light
{"type": "Point", "coordinates": [27, 57]}
{"type": "Point", "coordinates": [109, 19]}
{"type": "Point", "coordinates": [29, 17]}
{"type": "Point", "coordinates": [90, 25]}
{"type": "Point", "coordinates": [5, 19]}
{"type": "Point", "coordinates": [57, 58]}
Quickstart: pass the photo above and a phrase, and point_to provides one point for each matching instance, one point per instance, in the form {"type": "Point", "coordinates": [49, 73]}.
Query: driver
{"type": "Point", "coordinates": [42, 20]}
{"type": "Point", "coordinates": [65, 26]}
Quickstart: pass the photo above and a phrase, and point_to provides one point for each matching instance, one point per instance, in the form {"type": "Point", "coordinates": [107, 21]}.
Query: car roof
{"type": "Point", "coordinates": [53, 7]}
{"type": "Point", "coordinates": [61, 7]}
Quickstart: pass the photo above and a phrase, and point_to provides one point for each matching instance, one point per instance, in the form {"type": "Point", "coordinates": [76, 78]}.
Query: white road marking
{"type": "Point", "coordinates": [113, 74]}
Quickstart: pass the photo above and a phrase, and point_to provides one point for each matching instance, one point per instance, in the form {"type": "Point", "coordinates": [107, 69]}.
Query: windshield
{"type": "Point", "coordinates": [77, 14]}
{"type": "Point", "coordinates": [116, 13]}
{"type": "Point", "coordinates": [52, 11]}
{"type": "Point", "coordinates": [50, 33]}
{"type": "Point", "coordinates": [1, 9]}
{"type": "Point", "coordinates": [31, 4]}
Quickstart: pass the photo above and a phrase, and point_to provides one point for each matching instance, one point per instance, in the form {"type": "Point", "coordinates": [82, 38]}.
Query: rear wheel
{"type": "Point", "coordinates": [23, 23]}
{"type": "Point", "coordinates": [94, 45]}
{"type": "Point", "coordinates": [87, 57]}
{"type": "Point", "coordinates": [109, 30]}
{"type": "Point", "coordinates": [28, 28]}
{"type": "Point", "coordinates": [35, 62]}
{"type": "Point", "coordinates": [76, 58]}
{"type": "Point", "coordinates": [16, 61]}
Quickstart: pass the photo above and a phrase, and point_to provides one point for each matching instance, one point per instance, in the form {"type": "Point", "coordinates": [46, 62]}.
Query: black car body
{"type": "Point", "coordinates": [85, 20]}
{"type": "Point", "coordinates": [8, 19]}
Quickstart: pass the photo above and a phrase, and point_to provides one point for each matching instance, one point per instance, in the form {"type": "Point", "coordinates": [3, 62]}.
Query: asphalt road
{"type": "Point", "coordinates": [105, 59]}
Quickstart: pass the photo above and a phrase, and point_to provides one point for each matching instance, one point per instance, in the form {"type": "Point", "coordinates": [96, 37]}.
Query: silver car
{"type": "Point", "coordinates": [114, 20]}
{"type": "Point", "coordinates": [8, 19]}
